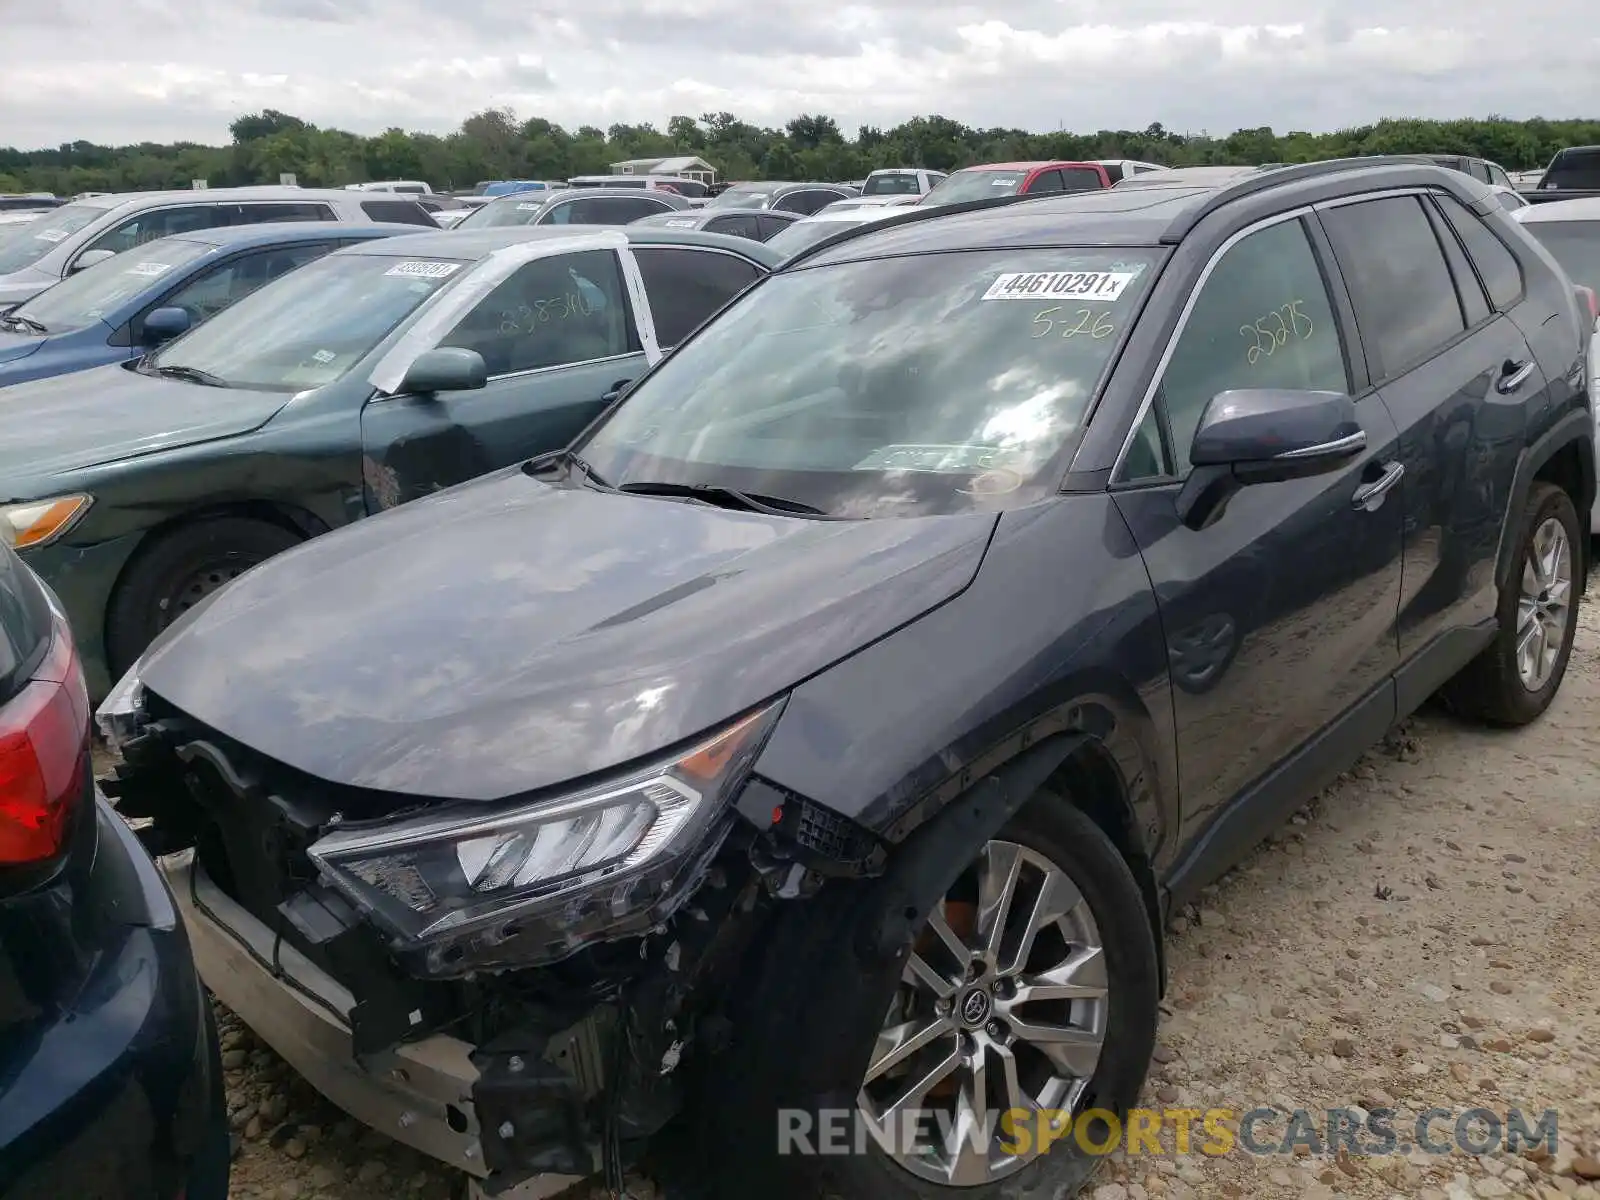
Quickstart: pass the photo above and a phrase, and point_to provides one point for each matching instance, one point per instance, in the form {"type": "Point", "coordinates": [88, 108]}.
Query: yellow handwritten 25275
{"type": "Point", "coordinates": [1272, 331]}
{"type": "Point", "coordinates": [1079, 321]}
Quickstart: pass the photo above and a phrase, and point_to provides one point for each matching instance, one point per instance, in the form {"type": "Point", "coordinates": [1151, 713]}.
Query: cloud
{"type": "Point", "coordinates": [135, 70]}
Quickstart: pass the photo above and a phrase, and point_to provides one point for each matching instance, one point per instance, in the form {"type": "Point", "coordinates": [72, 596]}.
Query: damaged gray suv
{"type": "Point", "coordinates": [809, 755]}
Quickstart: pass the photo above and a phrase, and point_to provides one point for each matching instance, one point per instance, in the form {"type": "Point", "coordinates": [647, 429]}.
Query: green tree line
{"type": "Point", "coordinates": [497, 144]}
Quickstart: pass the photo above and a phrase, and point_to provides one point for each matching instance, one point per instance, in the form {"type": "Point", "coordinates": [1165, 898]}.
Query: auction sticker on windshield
{"type": "Point", "coordinates": [424, 270]}
{"type": "Point", "coordinates": [150, 269]}
{"type": "Point", "coordinates": [525, 207]}
{"type": "Point", "coordinates": [51, 235]}
{"type": "Point", "coordinates": [1060, 285]}
{"type": "Point", "coordinates": [957, 458]}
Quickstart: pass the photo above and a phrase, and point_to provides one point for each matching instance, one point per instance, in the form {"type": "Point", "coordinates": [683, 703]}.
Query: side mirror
{"type": "Point", "coordinates": [1265, 435]}
{"type": "Point", "coordinates": [164, 324]}
{"type": "Point", "coordinates": [89, 258]}
{"type": "Point", "coordinates": [446, 369]}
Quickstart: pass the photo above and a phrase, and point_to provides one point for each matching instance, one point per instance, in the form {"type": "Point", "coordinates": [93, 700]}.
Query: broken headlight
{"type": "Point", "coordinates": [463, 885]}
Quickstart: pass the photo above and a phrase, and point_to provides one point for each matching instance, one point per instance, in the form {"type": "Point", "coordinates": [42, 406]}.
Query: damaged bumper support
{"type": "Point", "coordinates": [422, 1097]}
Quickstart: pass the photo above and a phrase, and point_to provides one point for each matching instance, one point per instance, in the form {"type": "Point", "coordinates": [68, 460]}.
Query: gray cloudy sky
{"type": "Point", "coordinates": [134, 70]}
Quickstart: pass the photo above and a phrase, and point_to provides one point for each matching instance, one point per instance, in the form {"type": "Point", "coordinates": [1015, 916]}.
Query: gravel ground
{"type": "Point", "coordinates": [1424, 934]}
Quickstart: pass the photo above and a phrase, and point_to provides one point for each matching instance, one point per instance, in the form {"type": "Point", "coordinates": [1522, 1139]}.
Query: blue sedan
{"type": "Point", "coordinates": [125, 306]}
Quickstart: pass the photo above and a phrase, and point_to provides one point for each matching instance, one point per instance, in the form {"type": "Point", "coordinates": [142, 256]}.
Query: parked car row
{"type": "Point", "coordinates": [588, 689]}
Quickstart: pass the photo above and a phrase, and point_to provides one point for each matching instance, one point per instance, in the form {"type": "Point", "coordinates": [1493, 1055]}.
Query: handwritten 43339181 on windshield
{"type": "Point", "coordinates": [1269, 333]}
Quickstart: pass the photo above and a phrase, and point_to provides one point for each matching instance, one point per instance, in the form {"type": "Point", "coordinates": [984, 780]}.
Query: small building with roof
{"type": "Point", "coordinates": [685, 167]}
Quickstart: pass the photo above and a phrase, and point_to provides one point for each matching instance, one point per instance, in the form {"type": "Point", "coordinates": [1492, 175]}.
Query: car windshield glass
{"type": "Point", "coordinates": [309, 327]}
{"type": "Point", "coordinates": [1573, 244]}
{"type": "Point", "coordinates": [975, 185]}
{"type": "Point", "coordinates": [27, 244]}
{"type": "Point", "coordinates": [897, 387]}
{"type": "Point", "coordinates": [95, 292]}
{"type": "Point", "coordinates": [891, 185]}
{"type": "Point", "coordinates": [519, 209]}
{"type": "Point", "coordinates": [741, 197]}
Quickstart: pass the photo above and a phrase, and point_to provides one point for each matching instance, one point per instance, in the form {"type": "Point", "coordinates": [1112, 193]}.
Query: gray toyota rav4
{"type": "Point", "coordinates": [824, 736]}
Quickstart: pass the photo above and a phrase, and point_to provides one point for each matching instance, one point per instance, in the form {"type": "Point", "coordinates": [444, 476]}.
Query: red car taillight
{"type": "Point", "coordinates": [44, 733]}
{"type": "Point", "coordinates": [1588, 297]}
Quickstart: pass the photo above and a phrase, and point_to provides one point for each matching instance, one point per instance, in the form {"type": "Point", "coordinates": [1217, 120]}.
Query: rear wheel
{"type": "Point", "coordinates": [1518, 675]}
{"type": "Point", "coordinates": [178, 570]}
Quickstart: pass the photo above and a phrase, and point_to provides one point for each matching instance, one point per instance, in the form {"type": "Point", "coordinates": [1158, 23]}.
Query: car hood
{"type": "Point", "coordinates": [48, 426]}
{"type": "Point", "coordinates": [22, 285]}
{"type": "Point", "coordinates": [507, 635]}
{"type": "Point", "coordinates": [17, 345]}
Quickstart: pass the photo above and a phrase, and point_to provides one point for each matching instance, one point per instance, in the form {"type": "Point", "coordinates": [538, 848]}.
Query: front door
{"type": "Point", "coordinates": [1280, 617]}
{"type": "Point", "coordinates": [558, 334]}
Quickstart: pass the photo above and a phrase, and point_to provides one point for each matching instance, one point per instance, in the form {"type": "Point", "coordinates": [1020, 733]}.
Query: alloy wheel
{"type": "Point", "coordinates": [1002, 1007]}
{"type": "Point", "coordinates": [1542, 605]}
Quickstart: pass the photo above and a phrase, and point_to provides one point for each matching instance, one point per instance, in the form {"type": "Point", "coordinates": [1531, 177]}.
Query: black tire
{"type": "Point", "coordinates": [213, 1165]}
{"type": "Point", "coordinates": [155, 588]}
{"type": "Point", "coordinates": [1489, 688]}
{"type": "Point", "coordinates": [804, 1036]}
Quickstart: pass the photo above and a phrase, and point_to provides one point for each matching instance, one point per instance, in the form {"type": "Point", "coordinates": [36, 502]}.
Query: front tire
{"type": "Point", "coordinates": [1516, 677]}
{"type": "Point", "coordinates": [1064, 969]}
{"type": "Point", "coordinates": [179, 569]}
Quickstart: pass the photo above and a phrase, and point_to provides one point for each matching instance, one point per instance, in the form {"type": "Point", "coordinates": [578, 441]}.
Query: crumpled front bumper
{"type": "Point", "coordinates": [421, 1096]}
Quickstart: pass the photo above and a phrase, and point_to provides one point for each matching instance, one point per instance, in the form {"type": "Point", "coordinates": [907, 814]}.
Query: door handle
{"type": "Point", "coordinates": [615, 391]}
{"type": "Point", "coordinates": [1513, 375]}
{"type": "Point", "coordinates": [1369, 496]}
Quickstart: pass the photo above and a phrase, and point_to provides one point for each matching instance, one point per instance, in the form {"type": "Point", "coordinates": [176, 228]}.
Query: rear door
{"type": "Point", "coordinates": [767, 226]}
{"type": "Point", "coordinates": [1457, 375]}
{"type": "Point", "coordinates": [558, 334]}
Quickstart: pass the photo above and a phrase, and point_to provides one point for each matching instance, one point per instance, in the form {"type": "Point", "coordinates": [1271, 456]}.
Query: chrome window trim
{"type": "Point", "coordinates": [1386, 194]}
{"type": "Point", "coordinates": [587, 362]}
{"type": "Point", "coordinates": [1171, 347]}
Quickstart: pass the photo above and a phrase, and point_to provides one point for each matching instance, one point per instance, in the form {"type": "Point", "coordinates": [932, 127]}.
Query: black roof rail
{"type": "Point", "coordinates": [913, 214]}
{"type": "Point", "coordinates": [1262, 181]}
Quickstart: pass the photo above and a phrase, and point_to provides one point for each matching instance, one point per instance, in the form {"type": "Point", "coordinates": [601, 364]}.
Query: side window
{"type": "Point", "coordinates": [1047, 181]}
{"type": "Point", "coordinates": [1474, 302]}
{"type": "Point", "coordinates": [806, 201]}
{"type": "Point", "coordinates": [1498, 175]}
{"type": "Point", "coordinates": [551, 312]}
{"type": "Point", "coordinates": [158, 223]}
{"type": "Point", "coordinates": [403, 212]}
{"type": "Point", "coordinates": [257, 214]}
{"type": "Point", "coordinates": [1082, 179]}
{"type": "Point", "coordinates": [1502, 274]}
{"type": "Point", "coordinates": [605, 210]}
{"type": "Point", "coordinates": [208, 294]}
{"type": "Point", "coordinates": [1480, 170]}
{"type": "Point", "coordinates": [768, 226]}
{"type": "Point", "coordinates": [735, 225]}
{"type": "Point", "coordinates": [1262, 320]}
{"type": "Point", "coordinates": [686, 286]}
{"type": "Point", "coordinates": [1114, 171]}
{"type": "Point", "coordinates": [1404, 297]}
{"type": "Point", "coordinates": [1147, 455]}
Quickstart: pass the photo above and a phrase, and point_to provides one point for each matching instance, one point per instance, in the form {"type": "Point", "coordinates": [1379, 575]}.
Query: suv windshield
{"type": "Point", "coordinates": [896, 387]}
{"type": "Point", "coordinates": [309, 327]}
{"type": "Point", "coordinates": [974, 185]}
{"type": "Point", "coordinates": [86, 297]}
{"type": "Point", "coordinates": [1578, 169]}
{"type": "Point", "coordinates": [899, 184]}
{"type": "Point", "coordinates": [1573, 244]}
{"type": "Point", "coordinates": [27, 244]}
{"type": "Point", "coordinates": [519, 208]}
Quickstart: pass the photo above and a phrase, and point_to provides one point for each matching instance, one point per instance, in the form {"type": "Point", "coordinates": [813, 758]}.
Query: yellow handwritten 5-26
{"type": "Point", "coordinates": [1082, 321]}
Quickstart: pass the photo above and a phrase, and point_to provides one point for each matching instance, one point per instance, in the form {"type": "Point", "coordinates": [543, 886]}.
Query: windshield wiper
{"type": "Point", "coordinates": [27, 324]}
{"type": "Point", "coordinates": [193, 375]}
{"type": "Point", "coordinates": [551, 457]}
{"type": "Point", "coordinates": [727, 497]}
